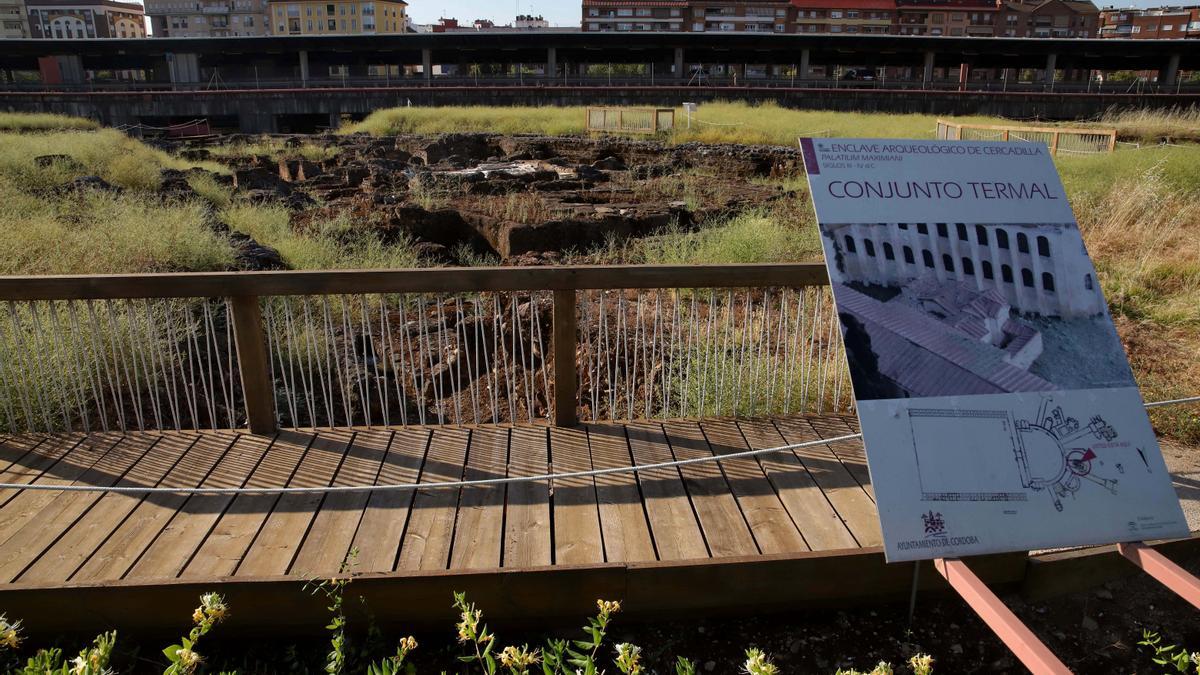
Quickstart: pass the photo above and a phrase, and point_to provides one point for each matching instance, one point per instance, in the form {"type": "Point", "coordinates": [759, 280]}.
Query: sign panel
{"type": "Point", "coordinates": [997, 406]}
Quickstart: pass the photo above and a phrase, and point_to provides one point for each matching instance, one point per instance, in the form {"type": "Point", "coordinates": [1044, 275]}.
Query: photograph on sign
{"type": "Point", "coordinates": [998, 408]}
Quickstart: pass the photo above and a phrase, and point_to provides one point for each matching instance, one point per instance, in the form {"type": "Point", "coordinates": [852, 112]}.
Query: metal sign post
{"type": "Point", "coordinates": [1159, 566]}
{"type": "Point", "coordinates": [1026, 646]}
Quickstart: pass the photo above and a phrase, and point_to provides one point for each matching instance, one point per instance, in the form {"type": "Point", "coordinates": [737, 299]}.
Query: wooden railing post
{"type": "Point", "coordinates": [253, 364]}
{"type": "Point", "coordinates": [566, 379]}
{"type": "Point", "coordinates": [1054, 144]}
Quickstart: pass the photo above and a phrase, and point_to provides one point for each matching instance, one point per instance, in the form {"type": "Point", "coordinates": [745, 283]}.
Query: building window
{"type": "Point", "coordinates": [331, 24]}
{"type": "Point", "coordinates": [1027, 277]}
{"type": "Point", "coordinates": [927, 257]}
{"type": "Point", "coordinates": [962, 231]}
{"type": "Point", "coordinates": [908, 256]}
{"type": "Point", "coordinates": [1001, 238]}
{"type": "Point", "coordinates": [1006, 274]}
{"type": "Point", "coordinates": [903, 226]}
{"type": "Point", "coordinates": [1022, 243]}
{"type": "Point", "coordinates": [987, 270]}
{"type": "Point", "coordinates": [922, 228]}
{"type": "Point", "coordinates": [888, 252]}
{"type": "Point", "coordinates": [948, 262]}
{"type": "Point", "coordinates": [1048, 281]}
{"type": "Point", "coordinates": [850, 245]}
{"type": "Point", "coordinates": [968, 267]}
{"type": "Point", "coordinates": [981, 235]}
{"type": "Point", "coordinates": [943, 231]}
{"type": "Point", "coordinates": [869, 246]}
{"type": "Point", "coordinates": [1043, 246]}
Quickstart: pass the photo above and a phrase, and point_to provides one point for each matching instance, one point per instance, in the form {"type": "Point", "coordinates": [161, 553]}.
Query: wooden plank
{"type": "Point", "coordinates": [848, 497]}
{"type": "Point", "coordinates": [328, 541]}
{"type": "Point", "coordinates": [564, 335]}
{"type": "Point", "coordinates": [386, 515]}
{"type": "Point", "coordinates": [527, 519]}
{"type": "Point", "coordinates": [274, 549]}
{"type": "Point", "coordinates": [809, 509]}
{"type": "Point", "coordinates": [623, 523]}
{"type": "Point", "coordinates": [852, 454]}
{"type": "Point", "coordinates": [426, 544]}
{"type": "Point", "coordinates": [753, 482]}
{"type": "Point", "coordinates": [193, 456]}
{"type": "Point", "coordinates": [254, 365]}
{"type": "Point", "coordinates": [36, 531]}
{"type": "Point", "coordinates": [673, 524]}
{"type": "Point", "coordinates": [14, 449]}
{"type": "Point", "coordinates": [725, 527]}
{"type": "Point", "coordinates": [577, 538]}
{"type": "Point", "coordinates": [479, 528]}
{"type": "Point", "coordinates": [425, 280]}
{"type": "Point", "coordinates": [210, 534]}
{"type": "Point", "coordinates": [31, 464]}
{"type": "Point", "coordinates": [126, 545]}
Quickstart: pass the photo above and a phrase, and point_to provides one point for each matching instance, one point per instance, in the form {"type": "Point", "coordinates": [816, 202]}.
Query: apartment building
{"type": "Point", "coordinates": [317, 17]}
{"type": "Point", "coordinates": [54, 19]}
{"type": "Point", "coordinates": [695, 16]}
{"type": "Point", "coordinates": [738, 17]}
{"type": "Point", "coordinates": [13, 23]}
{"type": "Point", "coordinates": [1048, 18]}
{"type": "Point", "coordinates": [953, 18]}
{"type": "Point", "coordinates": [1158, 23]}
{"type": "Point", "coordinates": [636, 15]}
{"type": "Point", "coordinates": [207, 18]}
{"type": "Point", "coordinates": [844, 16]}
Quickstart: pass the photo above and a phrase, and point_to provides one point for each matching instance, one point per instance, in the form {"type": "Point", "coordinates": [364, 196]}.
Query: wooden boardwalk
{"type": "Point", "coordinates": [736, 528]}
{"type": "Point", "coordinates": [813, 499]}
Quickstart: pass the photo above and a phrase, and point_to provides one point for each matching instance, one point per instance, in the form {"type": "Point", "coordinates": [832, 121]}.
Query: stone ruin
{"type": "Point", "coordinates": [522, 199]}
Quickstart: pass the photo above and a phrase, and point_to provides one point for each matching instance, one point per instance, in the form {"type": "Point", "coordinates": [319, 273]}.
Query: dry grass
{"type": "Point", "coordinates": [1144, 236]}
{"type": "Point", "coordinates": [11, 121]}
{"type": "Point", "coordinates": [276, 149]}
{"type": "Point", "coordinates": [1151, 126]}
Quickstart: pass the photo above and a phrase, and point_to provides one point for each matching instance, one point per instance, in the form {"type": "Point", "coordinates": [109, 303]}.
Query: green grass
{"type": "Point", "coordinates": [750, 237]}
{"type": "Point", "coordinates": [107, 153]}
{"type": "Point", "coordinates": [10, 121]}
{"type": "Point", "coordinates": [338, 243]}
{"type": "Point", "coordinates": [504, 120]}
{"type": "Point", "coordinates": [98, 233]}
{"type": "Point", "coordinates": [713, 123]}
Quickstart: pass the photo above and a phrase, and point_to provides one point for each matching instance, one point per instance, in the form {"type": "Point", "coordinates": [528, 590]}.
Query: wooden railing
{"type": "Point", "coordinates": [670, 324]}
{"type": "Point", "coordinates": [1078, 141]}
{"type": "Point", "coordinates": [630, 120]}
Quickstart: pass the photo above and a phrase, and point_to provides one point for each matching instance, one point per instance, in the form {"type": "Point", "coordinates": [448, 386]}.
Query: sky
{"type": "Point", "coordinates": [557, 12]}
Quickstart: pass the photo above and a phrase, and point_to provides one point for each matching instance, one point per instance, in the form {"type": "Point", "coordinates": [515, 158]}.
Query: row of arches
{"type": "Point", "coordinates": [966, 267]}
{"type": "Point", "coordinates": [982, 238]}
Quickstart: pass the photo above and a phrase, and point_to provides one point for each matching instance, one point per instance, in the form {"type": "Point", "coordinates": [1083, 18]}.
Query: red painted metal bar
{"type": "Point", "coordinates": [1180, 581]}
{"type": "Point", "coordinates": [1012, 632]}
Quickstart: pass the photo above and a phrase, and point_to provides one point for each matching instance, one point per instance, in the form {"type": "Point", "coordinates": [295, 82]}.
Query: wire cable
{"type": "Point", "coordinates": [130, 489]}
